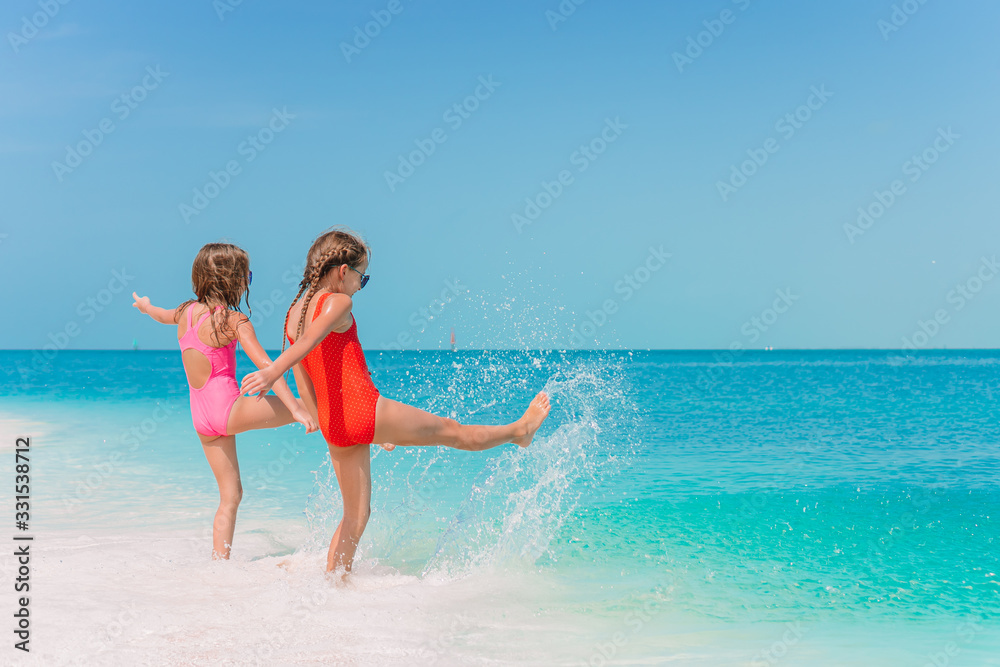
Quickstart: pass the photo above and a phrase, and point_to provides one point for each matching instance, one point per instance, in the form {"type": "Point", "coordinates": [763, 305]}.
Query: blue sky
{"type": "Point", "coordinates": [597, 99]}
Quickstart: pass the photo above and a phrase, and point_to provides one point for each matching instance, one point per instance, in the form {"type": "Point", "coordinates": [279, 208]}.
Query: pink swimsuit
{"type": "Point", "coordinates": [212, 403]}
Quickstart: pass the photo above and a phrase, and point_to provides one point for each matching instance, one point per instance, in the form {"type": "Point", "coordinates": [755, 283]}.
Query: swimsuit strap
{"type": "Point", "coordinates": [201, 321]}
{"type": "Point", "coordinates": [190, 309]}
{"type": "Point", "coordinates": [319, 305]}
{"type": "Point", "coordinates": [197, 325]}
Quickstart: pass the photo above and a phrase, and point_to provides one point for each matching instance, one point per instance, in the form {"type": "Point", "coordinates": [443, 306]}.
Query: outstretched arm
{"type": "Point", "coordinates": [161, 315]}
{"type": "Point", "coordinates": [334, 311]}
{"type": "Point", "coordinates": [248, 339]}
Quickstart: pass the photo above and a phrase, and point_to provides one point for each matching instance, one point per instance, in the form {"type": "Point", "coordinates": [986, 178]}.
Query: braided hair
{"type": "Point", "coordinates": [331, 250]}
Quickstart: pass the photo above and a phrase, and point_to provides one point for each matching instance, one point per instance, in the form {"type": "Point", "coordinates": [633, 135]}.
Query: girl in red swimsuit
{"type": "Point", "coordinates": [208, 329]}
{"type": "Point", "coordinates": [335, 384]}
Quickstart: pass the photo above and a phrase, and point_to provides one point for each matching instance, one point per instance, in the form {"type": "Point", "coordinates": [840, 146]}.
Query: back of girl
{"type": "Point", "coordinates": [208, 330]}
{"type": "Point", "coordinates": [334, 382]}
{"type": "Point", "coordinates": [348, 416]}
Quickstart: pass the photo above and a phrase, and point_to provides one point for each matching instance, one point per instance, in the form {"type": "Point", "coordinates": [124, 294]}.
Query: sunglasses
{"type": "Point", "coordinates": [250, 279]}
{"type": "Point", "coordinates": [364, 276]}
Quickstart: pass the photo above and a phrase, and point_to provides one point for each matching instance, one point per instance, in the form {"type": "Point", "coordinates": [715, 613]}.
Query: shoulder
{"type": "Point", "coordinates": [236, 319]}
{"type": "Point", "coordinates": [334, 311]}
{"type": "Point", "coordinates": [195, 309]}
{"type": "Point", "coordinates": [336, 302]}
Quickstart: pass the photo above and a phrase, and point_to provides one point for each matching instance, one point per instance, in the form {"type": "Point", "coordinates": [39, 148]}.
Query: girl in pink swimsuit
{"type": "Point", "coordinates": [221, 279]}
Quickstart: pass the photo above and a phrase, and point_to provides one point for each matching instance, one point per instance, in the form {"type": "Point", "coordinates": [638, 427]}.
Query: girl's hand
{"type": "Point", "coordinates": [142, 303]}
{"type": "Point", "coordinates": [161, 315]}
{"type": "Point", "coordinates": [258, 382]}
{"type": "Point", "coordinates": [302, 416]}
{"type": "Point", "coordinates": [387, 446]}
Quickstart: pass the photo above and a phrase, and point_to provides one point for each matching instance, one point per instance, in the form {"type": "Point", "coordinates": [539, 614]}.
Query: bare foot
{"type": "Point", "coordinates": [338, 577]}
{"type": "Point", "coordinates": [533, 418]}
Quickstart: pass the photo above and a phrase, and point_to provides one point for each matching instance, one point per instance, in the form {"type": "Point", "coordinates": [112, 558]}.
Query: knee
{"type": "Point", "coordinates": [471, 437]}
{"type": "Point", "coordinates": [356, 521]}
{"type": "Point", "coordinates": [232, 497]}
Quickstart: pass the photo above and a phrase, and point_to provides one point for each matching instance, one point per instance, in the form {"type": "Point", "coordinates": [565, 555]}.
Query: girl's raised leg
{"type": "Point", "coordinates": [221, 455]}
{"type": "Point", "coordinates": [354, 475]}
{"type": "Point", "coordinates": [406, 425]}
{"type": "Point", "coordinates": [403, 424]}
{"type": "Point", "coordinates": [249, 414]}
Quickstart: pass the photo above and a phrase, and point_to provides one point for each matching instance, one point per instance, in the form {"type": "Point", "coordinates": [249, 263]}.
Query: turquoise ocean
{"type": "Point", "coordinates": [681, 508]}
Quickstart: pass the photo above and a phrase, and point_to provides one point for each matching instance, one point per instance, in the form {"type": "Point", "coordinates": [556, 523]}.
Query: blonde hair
{"type": "Point", "coordinates": [331, 250]}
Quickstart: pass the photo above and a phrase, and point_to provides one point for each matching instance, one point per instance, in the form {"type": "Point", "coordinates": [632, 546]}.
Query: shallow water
{"type": "Point", "coordinates": [682, 508]}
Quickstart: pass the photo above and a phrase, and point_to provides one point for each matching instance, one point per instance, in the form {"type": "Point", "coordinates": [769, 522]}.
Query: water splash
{"type": "Point", "coordinates": [504, 508]}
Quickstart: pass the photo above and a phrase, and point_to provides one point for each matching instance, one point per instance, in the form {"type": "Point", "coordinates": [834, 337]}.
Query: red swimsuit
{"type": "Point", "coordinates": [345, 395]}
